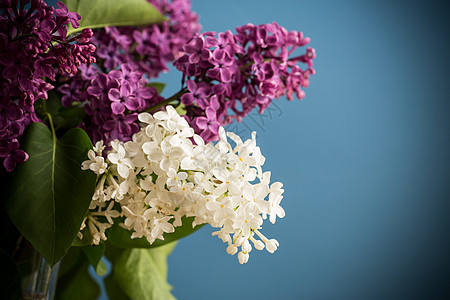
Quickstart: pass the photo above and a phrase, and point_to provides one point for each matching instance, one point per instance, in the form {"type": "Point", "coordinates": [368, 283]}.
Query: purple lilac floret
{"type": "Point", "coordinates": [139, 52]}
{"type": "Point", "coordinates": [114, 101]}
{"type": "Point", "coordinates": [149, 48]}
{"type": "Point", "coordinates": [33, 46]}
{"type": "Point", "coordinates": [242, 71]}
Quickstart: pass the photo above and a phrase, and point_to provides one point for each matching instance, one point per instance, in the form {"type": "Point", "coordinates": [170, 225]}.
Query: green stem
{"type": "Point", "coordinates": [49, 116]}
{"type": "Point", "coordinates": [50, 120]}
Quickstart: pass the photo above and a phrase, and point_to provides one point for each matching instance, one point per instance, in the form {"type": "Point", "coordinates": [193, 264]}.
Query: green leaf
{"type": "Point", "coordinates": [142, 273]}
{"type": "Point", "coordinates": [181, 109]}
{"type": "Point", "coordinates": [94, 254]}
{"type": "Point", "coordinates": [101, 13]}
{"type": "Point", "coordinates": [121, 237]}
{"type": "Point", "coordinates": [71, 261]}
{"type": "Point", "coordinates": [9, 277]}
{"type": "Point", "coordinates": [71, 117]}
{"type": "Point", "coordinates": [86, 240]}
{"type": "Point", "coordinates": [112, 252]}
{"type": "Point", "coordinates": [64, 118]}
{"type": "Point", "coordinates": [77, 285]}
{"type": "Point", "coordinates": [113, 289]}
{"type": "Point", "coordinates": [48, 196]}
{"type": "Point", "coordinates": [159, 86]}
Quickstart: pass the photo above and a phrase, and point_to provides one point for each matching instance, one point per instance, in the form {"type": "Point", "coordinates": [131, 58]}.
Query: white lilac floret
{"type": "Point", "coordinates": [149, 183]}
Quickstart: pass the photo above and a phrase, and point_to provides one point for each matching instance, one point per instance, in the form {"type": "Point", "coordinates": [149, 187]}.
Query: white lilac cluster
{"type": "Point", "coordinates": [167, 172]}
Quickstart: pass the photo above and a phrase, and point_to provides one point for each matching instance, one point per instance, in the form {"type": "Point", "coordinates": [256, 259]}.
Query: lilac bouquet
{"type": "Point", "coordinates": [97, 164]}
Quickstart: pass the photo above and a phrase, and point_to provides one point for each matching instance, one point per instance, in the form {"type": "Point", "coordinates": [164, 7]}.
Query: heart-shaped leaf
{"type": "Point", "coordinates": [85, 240]}
{"type": "Point", "coordinates": [78, 284]}
{"type": "Point", "coordinates": [71, 261]}
{"type": "Point", "coordinates": [113, 289]}
{"type": "Point", "coordinates": [142, 273]}
{"type": "Point", "coordinates": [94, 255]}
{"type": "Point", "coordinates": [48, 196]}
{"type": "Point", "coordinates": [101, 13]}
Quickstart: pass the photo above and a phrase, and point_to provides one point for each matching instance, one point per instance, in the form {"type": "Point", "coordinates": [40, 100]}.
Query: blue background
{"type": "Point", "coordinates": [364, 159]}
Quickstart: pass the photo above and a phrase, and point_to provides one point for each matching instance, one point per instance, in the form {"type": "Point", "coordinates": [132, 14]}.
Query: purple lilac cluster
{"type": "Point", "coordinates": [114, 100]}
{"type": "Point", "coordinates": [142, 51]}
{"type": "Point", "coordinates": [33, 46]}
{"type": "Point", "coordinates": [149, 48]}
{"type": "Point", "coordinates": [238, 72]}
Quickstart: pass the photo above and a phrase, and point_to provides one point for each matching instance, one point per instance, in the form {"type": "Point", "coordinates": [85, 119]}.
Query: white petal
{"type": "Point", "coordinates": [113, 157]}
{"type": "Point", "coordinates": [145, 117]}
{"type": "Point", "coordinates": [123, 171]}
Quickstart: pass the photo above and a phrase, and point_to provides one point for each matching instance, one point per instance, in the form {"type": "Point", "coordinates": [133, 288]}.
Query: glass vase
{"type": "Point", "coordinates": [37, 277]}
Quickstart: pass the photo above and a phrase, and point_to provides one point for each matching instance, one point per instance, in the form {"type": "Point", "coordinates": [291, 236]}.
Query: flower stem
{"type": "Point", "coordinates": [50, 120]}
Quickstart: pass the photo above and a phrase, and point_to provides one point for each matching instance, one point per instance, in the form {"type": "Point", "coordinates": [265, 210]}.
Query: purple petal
{"type": "Point", "coordinates": [214, 127]}
{"type": "Point", "coordinates": [206, 54]}
{"type": "Point", "coordinates": [124, 128]}
{"type": "Point", "coordinates": [109, 125]}
{"type": "Point", "coordinates": [130, 118]}
{"type": "Point", "coordinates": [225, 75]}
{"type": "Point", "coordinates": [218, 89]}
{"type": "Point", "coordinates": [201, 122]}
{"type": "Point", "coordinates": [218, 55]}
{"type": "Point", "coordinates": [210, 114]}
{"type": "Point", "coordinates": [117, 108]}
{"type": "Point", "coordinates": [192, 86]}
{"type": "Point", "coordinates": [195, 45]}
{"type": "Point", "coordinates": [135, 76]}
{"type": "Point", "coordinates": [213, 73]}
{"type": "Point", "coordinates": [62, 10]}
{"type": "Point", "coordinates": [74, 18]}
{"type": "Point", "coordinates": [147, 92]}
{"type": "Point", "coordinates": [21, 156]}
{"type": "Point", "coordinates": [67, 101]}
{"type": "Point", "coordinates": [187, 99]}
{"type": "Point", "coordinates": [102, 80]}
{"type": "Point", "coordinates": [93, 91]}
{"type": "Point", "coordinates": [211, 41]}
{"type": "Point", "coordinates": [114, 95]}
{"type": "Point", "coordinates": [9, 163]}
{"type": "Point", "coordinates": [203, 89]}
{"type": "Point", "coordinates": [47, 25]}
{"type": "Point", "coordinates": [194, 58]}
{"type": "Point", "coordinates": [214, 103]}
{"type": "Point", "coordinates": [115, 74]}
{"type": "Point", "coordinates": [132, 103]}
{"type": "Point", "coordinates": [125, 90]}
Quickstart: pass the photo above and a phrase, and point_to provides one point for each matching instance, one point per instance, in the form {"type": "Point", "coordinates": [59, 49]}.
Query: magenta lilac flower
{"type": "Point", "coordinates": [113, 103]}
{"type": "Point", "coordinates": [149, 48]}
{"type": "Point", "coordinates": [115, 89]}
{"type": "Point", "coordinates": [242, 71]}
{"type": "Point", "coordinates": [33, 46]}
